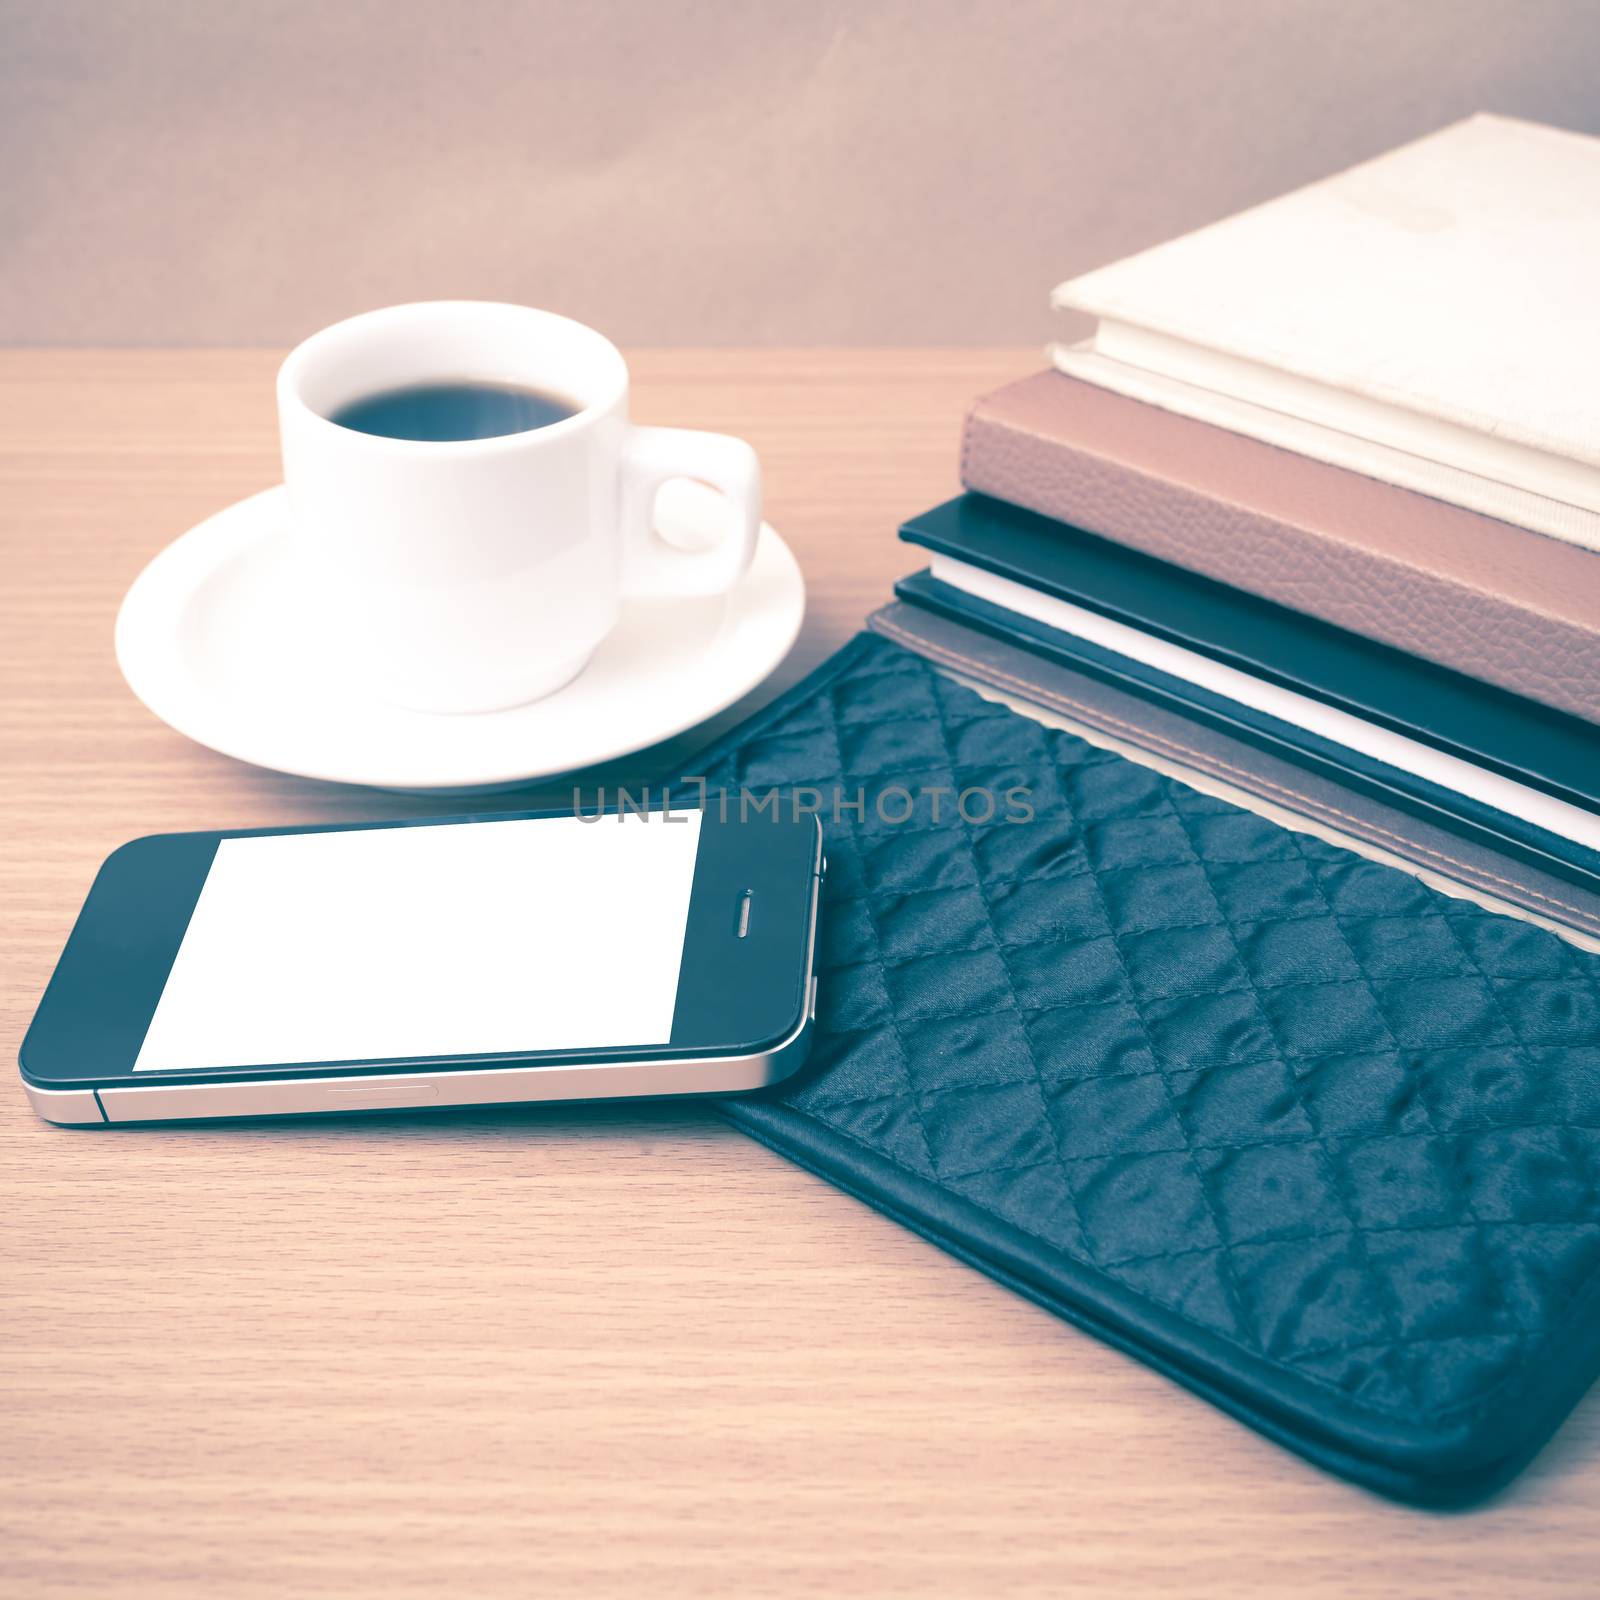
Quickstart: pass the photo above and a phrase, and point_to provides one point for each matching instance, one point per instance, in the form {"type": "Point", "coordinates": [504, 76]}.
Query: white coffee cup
{"type": "Point", "coordinates": [475, 574]}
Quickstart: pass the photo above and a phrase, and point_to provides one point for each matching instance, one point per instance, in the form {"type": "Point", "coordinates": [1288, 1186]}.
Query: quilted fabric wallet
{"type": "Point", "coordinates": [1311, 1138]}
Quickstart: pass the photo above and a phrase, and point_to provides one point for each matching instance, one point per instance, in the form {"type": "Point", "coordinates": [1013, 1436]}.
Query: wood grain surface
{"type": "Point", "coordinates": [561, 1351]}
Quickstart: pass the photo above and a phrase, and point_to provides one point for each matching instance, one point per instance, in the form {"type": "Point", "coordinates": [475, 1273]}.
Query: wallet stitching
{"type": "Point", "coordinates": [1260, 986]}
{"type": "Point", "coordinates": [1523, 1377]}
{"type": "Point", "coordinates": [1424, 914]}
{"type": "Point", "coordinates": [1226, 1273]}
{"type": "Point", "coordinates": [1343, 1140]}
{"type": "Point", "coordinates": [1473, 1405]}
{"type": "Point", "coordinates": [1142, 735]}
{"type": "Point", "coordinates": [1392, 1311]}
{"type": "Point", "coordinates": [894, 1018]}
{"type": "Point", "coordinates": [1017, 1008]}
{"type": "Point", "coordinates": [1131, 1001]}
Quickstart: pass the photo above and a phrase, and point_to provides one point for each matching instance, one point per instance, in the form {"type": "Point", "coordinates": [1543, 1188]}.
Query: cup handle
{"type": "Point", "coordinates": [652, 456]}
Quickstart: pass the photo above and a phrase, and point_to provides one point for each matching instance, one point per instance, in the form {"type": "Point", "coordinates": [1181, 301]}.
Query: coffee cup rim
{"type": "Point", "coordinates": [322, 345]}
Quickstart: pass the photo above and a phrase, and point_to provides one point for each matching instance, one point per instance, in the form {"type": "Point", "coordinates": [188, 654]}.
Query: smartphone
{"type": "Point", "coordinates": [469, 961]}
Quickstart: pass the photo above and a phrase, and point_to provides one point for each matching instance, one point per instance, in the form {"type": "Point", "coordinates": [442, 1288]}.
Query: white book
{"type": "Point", "coordinates": [1287, 705]}
{"type": "Point", "coordinates": [1430, 318]}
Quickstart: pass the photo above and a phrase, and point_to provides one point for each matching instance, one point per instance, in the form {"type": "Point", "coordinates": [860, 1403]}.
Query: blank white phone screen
{"type": "Point", "coordinates": [477, 938]}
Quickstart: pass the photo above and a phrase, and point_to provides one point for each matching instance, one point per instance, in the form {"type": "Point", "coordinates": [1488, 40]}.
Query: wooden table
{"type": "Point", "coordinates": [596, 1351]}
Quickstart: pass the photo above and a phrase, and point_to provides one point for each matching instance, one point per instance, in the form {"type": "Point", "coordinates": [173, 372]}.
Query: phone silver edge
{"type": "Point", "coordinates": [606, 1080]}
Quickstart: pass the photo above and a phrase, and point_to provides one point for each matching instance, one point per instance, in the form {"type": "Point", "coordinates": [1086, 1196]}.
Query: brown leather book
{"type": "Point", "coordinates": [1513, 608]}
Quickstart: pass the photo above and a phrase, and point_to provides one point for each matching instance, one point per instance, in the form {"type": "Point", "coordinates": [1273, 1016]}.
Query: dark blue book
{"type": "Point", "coordinates": [1548, 752]}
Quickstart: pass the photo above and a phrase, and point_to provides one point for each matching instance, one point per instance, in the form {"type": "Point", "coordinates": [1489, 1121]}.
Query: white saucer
{"type": "Point", "coordinates": [210, 638]}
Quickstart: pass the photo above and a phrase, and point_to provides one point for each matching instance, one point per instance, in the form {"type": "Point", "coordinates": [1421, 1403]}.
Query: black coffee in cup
{"type": "Point", "coordinates": [453, 410]}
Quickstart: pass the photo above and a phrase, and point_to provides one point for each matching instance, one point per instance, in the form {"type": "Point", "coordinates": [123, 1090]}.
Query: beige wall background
{"type": "Point", "coordinates": [692, 171]}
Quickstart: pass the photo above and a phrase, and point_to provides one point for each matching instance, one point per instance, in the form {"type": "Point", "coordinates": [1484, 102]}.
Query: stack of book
{"type": "Point", "coordinates": [1317, 504]}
